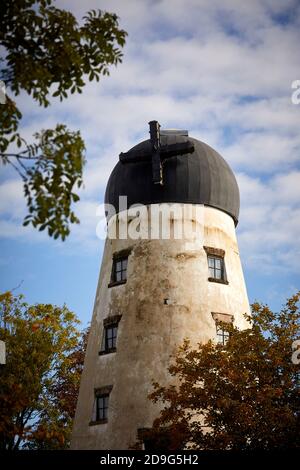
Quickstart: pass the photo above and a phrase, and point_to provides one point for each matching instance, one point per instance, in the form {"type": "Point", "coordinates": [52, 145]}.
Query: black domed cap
{"type": "Point", "coordinates": [200, 177]}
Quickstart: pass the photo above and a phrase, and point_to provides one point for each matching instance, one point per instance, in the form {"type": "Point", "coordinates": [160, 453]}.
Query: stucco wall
{"type": "Point", "coordinates": [149, 330]}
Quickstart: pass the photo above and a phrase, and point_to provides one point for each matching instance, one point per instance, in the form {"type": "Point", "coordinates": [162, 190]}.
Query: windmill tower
{"type": "Point", "coordinates": [156, 290]}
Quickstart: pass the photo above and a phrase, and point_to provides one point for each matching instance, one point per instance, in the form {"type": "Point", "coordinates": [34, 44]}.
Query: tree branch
{"type": "Point", "coordinates": [21, 164]}
{"type": "Point", "coordinates": [18, 155]}
{"type": "Point", "coordinates": [17, 170]}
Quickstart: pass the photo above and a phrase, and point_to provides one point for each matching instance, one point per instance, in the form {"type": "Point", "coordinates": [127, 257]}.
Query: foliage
{"type": "Point", "coordinates": [48, 185]}
{"type": "Point", "coordinates": [40, 381]}
{"type": "Point", "coordinates": [244, 395]}
{"type": "Point", "coordinates": [47, 53]}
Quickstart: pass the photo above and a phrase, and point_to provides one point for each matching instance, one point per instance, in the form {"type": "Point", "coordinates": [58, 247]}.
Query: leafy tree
{"type": "Point", "coordinates": [39, 383]}
{"type": "Point", "coordinates": [53, 430]}
{"type": "Point", "coordinates": [46, 53]}
{"type": "Point", "coordinates": [244, 395]}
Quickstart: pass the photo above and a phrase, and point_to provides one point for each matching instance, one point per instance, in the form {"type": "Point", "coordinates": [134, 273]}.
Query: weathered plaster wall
{"type": "Point", "coordinates": [150, 331]}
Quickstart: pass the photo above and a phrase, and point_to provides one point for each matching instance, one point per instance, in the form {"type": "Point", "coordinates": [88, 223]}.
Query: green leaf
{"type": "Point", "coordinates": [75, 197]}
{"type": "Point", "coordinates": [46, 49]}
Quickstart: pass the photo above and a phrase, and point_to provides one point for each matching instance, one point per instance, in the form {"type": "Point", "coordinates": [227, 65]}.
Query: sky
{"type": "Point", "coordinates": [221, 69]}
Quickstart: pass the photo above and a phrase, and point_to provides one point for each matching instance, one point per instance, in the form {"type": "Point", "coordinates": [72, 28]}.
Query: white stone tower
{"type": "Point", "coordinates": [155, 291]}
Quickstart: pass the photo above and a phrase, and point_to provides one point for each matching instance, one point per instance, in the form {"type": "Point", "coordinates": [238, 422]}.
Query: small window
{"type": "Point", "coordinates": [109, 343]}
{"type": "Point", "coordinates": [110, 333]}
{"type": "Point", "coordinates": [222, 335]}
{"type": "Point", "coordinates": [154, 442]}
{"type": "Point", "coordinates": [216, 264]}
{"type": "Point", "coordinates": [102, 407]}
{"type": "Point", "coordinates": [216, 268]}
{"type": "Point", "coordinates": [119, 268]}
{"type": "Point", "coordinates": [221, 319]}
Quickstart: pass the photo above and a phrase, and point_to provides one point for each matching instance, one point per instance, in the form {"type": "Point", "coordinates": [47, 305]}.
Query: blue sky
{"type": "Point", "coordinates": [224, 71]}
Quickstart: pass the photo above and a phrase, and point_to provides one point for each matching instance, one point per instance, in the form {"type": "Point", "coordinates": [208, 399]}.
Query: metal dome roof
{"type": "Point", "coordinates": [199, 176]}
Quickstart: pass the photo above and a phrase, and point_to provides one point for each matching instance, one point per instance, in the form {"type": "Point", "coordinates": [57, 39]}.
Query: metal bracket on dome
{"type": "Point", "coordinates": [158, 153]}
{"type": "Point", "coordinates": [183, 132]}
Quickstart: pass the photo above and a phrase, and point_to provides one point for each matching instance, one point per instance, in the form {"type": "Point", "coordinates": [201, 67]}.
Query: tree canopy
{"type": "Point", "coordinates": [46, 53]}
{"type": "Point", "coordinates": [39, 383]}
{"type": "Point", "coordinates": [243, 395]}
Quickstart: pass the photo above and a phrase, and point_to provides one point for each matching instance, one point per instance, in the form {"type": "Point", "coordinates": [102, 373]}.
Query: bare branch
{"type": "Point", "coordinates": [21, 164]}
{"type": "Point", "coordinates": [18, 155]}
{"type": "Point", "coordinates": [17, 170]}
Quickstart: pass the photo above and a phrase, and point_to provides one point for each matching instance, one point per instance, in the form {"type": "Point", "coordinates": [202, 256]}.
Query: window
{"type": "Point", "coordinates": [222, 335]}
{"type": "Point", "coordinates": [220, 319]}
{"type": "Point", "coordinates": [101, 405]}
{"type": "Point", "coordinates": [110, 332]}
{"type": "Point", "coordinates": [216, 265]}
{"type": "Point", "coordinates": [154, 442]}
{"type": "Point", "coordinates": [110, 337]}
{"type": "Point", "coordinates": [119, 268]}
{"type": "Point", "coordinates": [109, 341]}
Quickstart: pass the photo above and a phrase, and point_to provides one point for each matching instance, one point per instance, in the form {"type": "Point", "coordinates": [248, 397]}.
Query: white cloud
{"type": "Point", "coordinates": [11, 198]}
{"type": "Point", "coordinates": [269, 222]}
{"type": "Point", "coordinates": [223, 70]}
